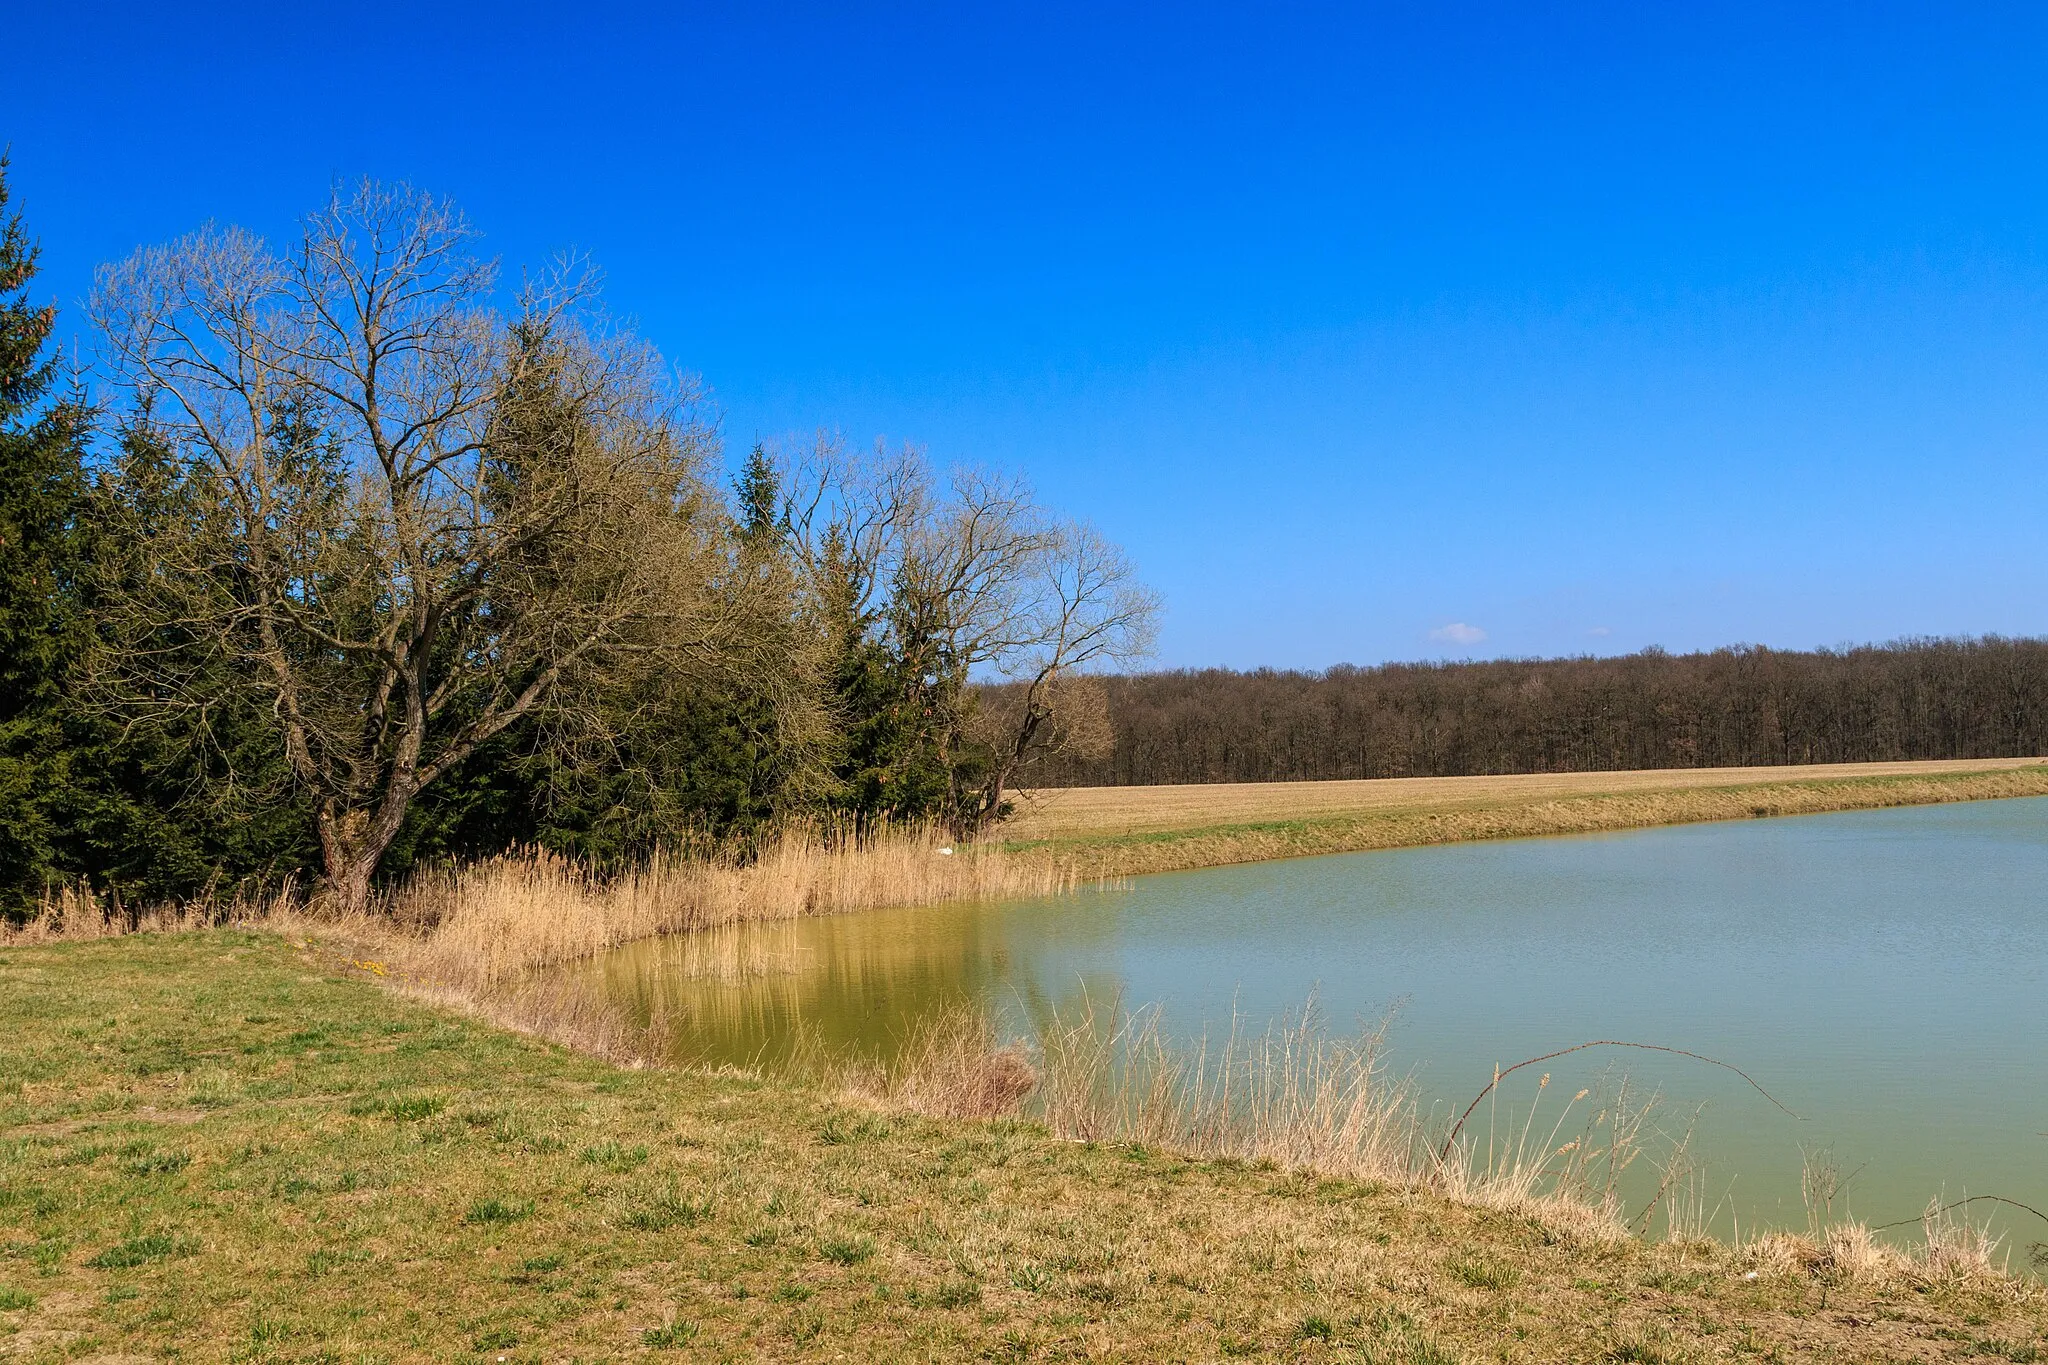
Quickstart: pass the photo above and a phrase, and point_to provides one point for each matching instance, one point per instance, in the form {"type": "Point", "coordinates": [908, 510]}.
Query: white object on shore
{"type": "Point", "coordinates": [945, 853]}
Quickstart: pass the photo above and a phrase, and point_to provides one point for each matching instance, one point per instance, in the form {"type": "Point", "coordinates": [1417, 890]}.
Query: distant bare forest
{"type": "Point", "coordinates": [1911, 699]}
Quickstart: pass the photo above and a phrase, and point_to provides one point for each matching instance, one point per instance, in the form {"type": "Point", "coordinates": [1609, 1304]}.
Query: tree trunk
{"type": "Point", "coordinates": [349, 883]}
{"type": "Point", "coordinates": [352, 845]}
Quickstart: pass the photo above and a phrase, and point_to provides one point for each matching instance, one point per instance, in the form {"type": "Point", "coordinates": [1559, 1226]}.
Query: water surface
{"type": "Point", "coordinates": [1880, 972]}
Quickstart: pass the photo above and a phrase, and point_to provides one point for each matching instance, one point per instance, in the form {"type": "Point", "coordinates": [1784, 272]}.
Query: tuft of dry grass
{"type": "Point", "coordinates": [954, 1066]}
{"type": "Point", "coordinates": [1858, 1257]}
{"type": "Point", "coordinates": [1953, 1247]}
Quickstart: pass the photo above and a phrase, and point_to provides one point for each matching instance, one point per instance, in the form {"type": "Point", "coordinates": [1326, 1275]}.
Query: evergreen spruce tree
{"type": "Point", "coordinates": [42, 488]}
{"type": "Point", "coordinates": [80, 800]}
{"type": "Point", "coordinates": [760, 495]}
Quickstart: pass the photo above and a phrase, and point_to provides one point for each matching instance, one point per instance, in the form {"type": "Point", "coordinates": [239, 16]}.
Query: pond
{"type": "Point", "coordinates": [1880, 973]}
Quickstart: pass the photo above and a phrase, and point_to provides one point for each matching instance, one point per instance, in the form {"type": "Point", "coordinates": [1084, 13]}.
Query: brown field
{"type": "Point", "coordinates": [1124, 830]}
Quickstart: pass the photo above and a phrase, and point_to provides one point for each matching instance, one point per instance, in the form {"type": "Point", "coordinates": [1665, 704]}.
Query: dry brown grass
{"type": "Point", "coordinates": [77, 914]}
{"type": "Point", "coordinates": [1124, 831]}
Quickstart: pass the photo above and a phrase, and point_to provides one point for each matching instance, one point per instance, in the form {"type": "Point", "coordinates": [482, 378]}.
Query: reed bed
{"type": "Point", "coordinates": [495, 920]}
{"type": "Point", "coordinates": [490, 922]}
{"type": "Point", "coordinates": [76, 914]}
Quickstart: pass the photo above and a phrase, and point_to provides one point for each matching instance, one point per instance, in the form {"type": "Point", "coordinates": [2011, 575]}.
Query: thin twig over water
{"type": "Point", "coordinates": [1498, 1076]}
{"type": "Point", "coordinates": [1960, 1203]}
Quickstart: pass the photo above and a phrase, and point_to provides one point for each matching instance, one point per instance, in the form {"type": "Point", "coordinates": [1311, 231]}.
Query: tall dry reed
{"type": "Point", "coordinates": [954, 1065]}
{"type": "Point", "coordinates": [1300, 1098]}
{"type": "Point", "coordinates": [1290, 1094]}
{"type": "Point", "coordinates": [494, 920]}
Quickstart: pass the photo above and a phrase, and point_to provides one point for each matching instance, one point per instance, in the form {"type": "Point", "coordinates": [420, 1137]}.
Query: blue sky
{"type": "Point", "coordinates": [1372, 332]}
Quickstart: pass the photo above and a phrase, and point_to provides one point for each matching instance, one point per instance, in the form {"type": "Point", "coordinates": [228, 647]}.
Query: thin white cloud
{"type": "Point", "coordinates": [1458, 633]}
{"type": "Point", "coordinates": [1600, 630]}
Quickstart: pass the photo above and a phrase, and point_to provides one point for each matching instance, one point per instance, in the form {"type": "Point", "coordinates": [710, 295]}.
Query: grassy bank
{"type": "Point", "coordinates": [1124, 831]}
{"type": "Point", "coordinates": [220, 1145]}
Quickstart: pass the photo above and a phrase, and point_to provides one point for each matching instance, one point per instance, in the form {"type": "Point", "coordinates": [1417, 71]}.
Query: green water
{"type": "Point", "coordinates": [1882, 973]}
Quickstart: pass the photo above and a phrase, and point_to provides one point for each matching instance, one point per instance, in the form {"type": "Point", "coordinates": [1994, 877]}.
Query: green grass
{"type": "Point", "coordinates": [847, 1250]}
{"type": "Point", "coordinates": [667, 1338]}
{"type": "Point", "coordinates": [497, 1211]}
{"type": "Point", "coordinates": [219, 1147]}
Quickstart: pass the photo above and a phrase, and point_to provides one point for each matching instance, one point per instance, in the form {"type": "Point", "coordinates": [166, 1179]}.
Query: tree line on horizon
{"type": "Point", "coordinates": [1736, 707]}
{"type": "Point", "coordinates": [343, 558]}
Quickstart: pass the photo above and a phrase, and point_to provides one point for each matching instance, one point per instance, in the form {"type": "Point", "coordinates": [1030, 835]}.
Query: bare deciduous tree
{"type": "Point", "coordinates": [410, 522]}
{"type": "Point", "coordinates": [1079, 605]}
{"type": "Point", "coordinates": [974, 580]}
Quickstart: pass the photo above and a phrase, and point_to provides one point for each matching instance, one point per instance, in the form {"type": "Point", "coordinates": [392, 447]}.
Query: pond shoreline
{"type": "Point", "coordinates": [1122, 832]}
{"type": "Point", "coordinates": [342, 1155]}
